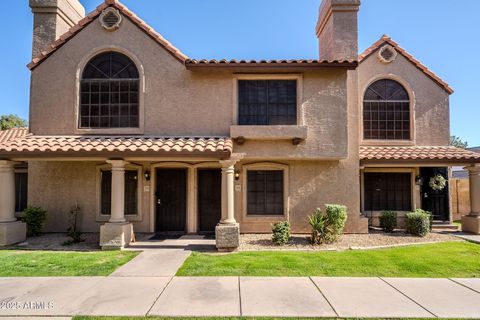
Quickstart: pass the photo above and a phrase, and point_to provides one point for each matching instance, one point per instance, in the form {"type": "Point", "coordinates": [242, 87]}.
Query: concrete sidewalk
{"type": "Point", "coordinates": [240, 296]}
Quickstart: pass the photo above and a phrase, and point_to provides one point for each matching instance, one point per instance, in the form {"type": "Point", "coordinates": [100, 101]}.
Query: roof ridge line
{"type": "Point", "coordinates": [385, 38]}
{"type": "Point", "coordinates": [90, 17]}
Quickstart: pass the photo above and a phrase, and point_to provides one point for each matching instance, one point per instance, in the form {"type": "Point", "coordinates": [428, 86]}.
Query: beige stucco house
{"type": "Point", "coordinates": [144, 138]}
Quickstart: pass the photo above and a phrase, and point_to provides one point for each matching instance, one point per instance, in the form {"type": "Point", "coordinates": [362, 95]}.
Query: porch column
{"type": "Point", "coordinates": [227, 232]}
{"type": "Point", "coordinates": [228, 192]}
{"type": "Point", "coordinates": [11, 230]}
{"type": "Point", "coordinates": [117, 233]}
{"type": "Point", "coordinates": [118, 191]}
{"type": "Point", "coordinates": [471, 222]}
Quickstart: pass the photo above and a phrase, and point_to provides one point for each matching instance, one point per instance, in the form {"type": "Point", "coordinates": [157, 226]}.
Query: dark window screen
{"type": "Point", "coordinates": [386, 111]}
{"type": "Point", "coordinates": [267, 102]}
{"type": "Point", "coordinates": [21, 191]}
{"type": "Point", "coordinates": [265, 192]}
{"type": "Point", "coordinates": [131, 192]}
{"type": "Point", "coordinates": [109, 92]}
{"type": "Point", "coordinates": [388, 191]}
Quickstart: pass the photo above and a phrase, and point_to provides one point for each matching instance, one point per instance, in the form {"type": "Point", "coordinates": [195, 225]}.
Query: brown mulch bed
{"type": "Point", "coordinates": [256, 242]}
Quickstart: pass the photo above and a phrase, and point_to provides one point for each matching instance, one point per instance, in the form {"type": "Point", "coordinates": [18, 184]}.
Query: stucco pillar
{"type": "Point", "coordinates": [117, 233]}
{"type": "Point", "coordinates": [228, 192]}
{"type": "Point", "coordinates": [118, 191]}
{"type": "Point", "coordinates": [11, 230]}
{"type": "Point", "coordinates": [471, 222]}
{"type": "Point", "coordinates": [227, 232]}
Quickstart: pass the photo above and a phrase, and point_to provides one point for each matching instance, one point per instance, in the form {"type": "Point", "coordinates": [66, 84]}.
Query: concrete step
{"type": "Point", "coordinates": [445, 226]}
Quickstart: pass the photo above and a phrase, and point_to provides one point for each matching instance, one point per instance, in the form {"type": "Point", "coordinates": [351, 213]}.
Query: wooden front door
{"type": "Point", "coordinates": [209, 199]}
{"type": "Point", "coordinates": [171, 200]}
{"type": "Point", "coordinates": [433, 200]}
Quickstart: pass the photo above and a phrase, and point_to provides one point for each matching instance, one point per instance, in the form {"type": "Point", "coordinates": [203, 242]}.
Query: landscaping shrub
{"type": "Point", "coordinates": [328, 226]}
{"type": "Point", "coordinates": [72, 231]}
{"type": "Point", "coordinates": [34, 217]}
{"type": "Point", "coordinates": [418, 223]}
{"type": "Point", "coordinates": [281, 233]}
{"type": "Point", "coordinates": [388, 220]}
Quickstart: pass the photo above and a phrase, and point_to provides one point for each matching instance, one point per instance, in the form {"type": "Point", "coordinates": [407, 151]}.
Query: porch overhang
{"type": "Point", "coordinates": [34, 146]}
{"type": "Point", "coordinates": [417, 155]}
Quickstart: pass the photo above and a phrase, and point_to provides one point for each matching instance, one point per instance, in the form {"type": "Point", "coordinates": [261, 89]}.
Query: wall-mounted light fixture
{"type": "Point", "coordinates": [147, 175]}
{"type": "Point", "coordinates": [419, 180]}
{"type": "Point", "coordinates": [237, 175]}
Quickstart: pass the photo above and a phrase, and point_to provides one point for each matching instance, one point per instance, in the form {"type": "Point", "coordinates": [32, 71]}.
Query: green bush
{"type": "Point", "coordinates": [281, 233]}
{"type": "Point", "coordinates": [418, 223]}
{"type": "Point", "coordinates": [326, 228]}
{"type": "Point", "coordinates": [388, 220]}
{"type": "Point", "coordinates": [34, 217]}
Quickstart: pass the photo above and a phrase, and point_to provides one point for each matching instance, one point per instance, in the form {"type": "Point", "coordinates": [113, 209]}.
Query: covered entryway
{"type": "Point", "coordinates": [424, 162]}
{"type": "Point", "coordinates": [435, 201]}
{"type": "Point", "coordinates": [209, 199]}
{"type": "Point", "coordinates": [171, 200]}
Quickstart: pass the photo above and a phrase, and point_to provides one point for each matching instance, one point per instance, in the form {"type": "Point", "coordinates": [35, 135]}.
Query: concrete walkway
{"type": "Point", "coordinates": [475, 238]}
{"type": "Point", "coordinates": [240, 296]}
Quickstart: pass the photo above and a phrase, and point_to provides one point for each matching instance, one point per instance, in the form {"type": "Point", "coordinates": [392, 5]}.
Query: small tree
{"type": "Point", "coordinates": [72, 232]}
{"type": "Point", "coordinates": [457, 142]}
{"type": "Point", "coordinates": [12, 121]}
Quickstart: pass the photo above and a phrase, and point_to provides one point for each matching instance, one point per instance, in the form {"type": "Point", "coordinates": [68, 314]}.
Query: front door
{"type": "Point", "coordinates": [209, 199]}
{"type": "Point", "coordinates": [171, 200]}
{"type": "Point", "coordinates": [435, 201]}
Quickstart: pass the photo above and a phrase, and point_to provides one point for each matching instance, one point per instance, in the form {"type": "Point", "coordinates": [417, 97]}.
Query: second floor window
{"type": "Point", "coordinates": [109, 93]}
{"type": "Point", "coordinates": [386, 111]}
{"type": "Point", "coordinates": [267, 102]}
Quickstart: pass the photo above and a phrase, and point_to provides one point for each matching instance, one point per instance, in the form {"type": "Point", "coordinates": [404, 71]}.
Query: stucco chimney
{"type": "Point", "coordinates": [337, 29]}
{"type": "Point", "coordinates": [51, 19]}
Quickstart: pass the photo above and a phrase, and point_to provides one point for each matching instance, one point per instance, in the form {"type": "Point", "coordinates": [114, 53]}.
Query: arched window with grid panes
{"type": "Point", "coordinates": [109, 93]}
{"type": "Point", "coordinates": [386, 111]}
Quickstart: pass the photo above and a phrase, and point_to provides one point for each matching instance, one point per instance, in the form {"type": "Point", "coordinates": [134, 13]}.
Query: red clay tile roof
{"type": "Point", "coordinates": [192, 63]}
{"type": "Point", "coordinates": [36, 61]}
{"type": "Point", "coordinates": [417, 153]}
{"type": "Point", "coordinates": [91, 17]}
{"type": "Point", "coordinates": [11, 134]}
{"type": "Point", "coordinates": [85, 145]}
{"type": "Point", "coordinates": [408, 56]}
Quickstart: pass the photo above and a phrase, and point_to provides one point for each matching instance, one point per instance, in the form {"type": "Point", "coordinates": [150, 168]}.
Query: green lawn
{"type": "Point", "coordinates": [19, 263]}
{"type": "Point", "coordinates": [448, 259]}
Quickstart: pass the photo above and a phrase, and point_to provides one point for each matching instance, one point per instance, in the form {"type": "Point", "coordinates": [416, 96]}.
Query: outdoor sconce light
{"type": "Point", "coordinates": [419, 180]}
{"type": "Point", "coordinates": [237, 175]}
{"type": "Point", "coordinates": [147, 175]}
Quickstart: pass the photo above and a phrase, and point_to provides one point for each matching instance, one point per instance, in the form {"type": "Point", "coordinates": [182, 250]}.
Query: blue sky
{"type": "Point", "coordinates": [443, 34]}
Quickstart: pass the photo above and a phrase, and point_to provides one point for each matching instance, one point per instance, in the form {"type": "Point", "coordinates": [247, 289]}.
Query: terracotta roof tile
{"type": "Point", "coordinates": [26, 144]}
{"type": "Point", "coordinates": [11, 134]}
{"type": "Point", "coordinates": [36, 61]}
{"type": "Point", "coordinates": [260, 62]}
{"type": "Point", "coordinates": [403, 153]}
{"type": "Point", "coordinates": [418, 64]}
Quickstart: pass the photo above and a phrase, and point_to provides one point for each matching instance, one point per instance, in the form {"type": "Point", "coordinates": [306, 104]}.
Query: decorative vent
{"type": "Point", "coordinates": [387, 54]}
{"type": "Point", "coordinates": [110, 19]}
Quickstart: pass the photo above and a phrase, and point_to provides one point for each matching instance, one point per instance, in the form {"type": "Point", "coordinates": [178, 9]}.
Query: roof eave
{"type": "Point", "coordinates": [270, 66]}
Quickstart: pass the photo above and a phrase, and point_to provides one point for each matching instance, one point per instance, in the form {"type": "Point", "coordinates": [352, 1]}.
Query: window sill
{"type": "Point", "coordinates": [280, 132]}
{"type": "Point", "coordinates": [114, 131]}
{"type": "Point", "coordinates": [264, 218]}
{"type": "Point", "coordinates": [387, 143]}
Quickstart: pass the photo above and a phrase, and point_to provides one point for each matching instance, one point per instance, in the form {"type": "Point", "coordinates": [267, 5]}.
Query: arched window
{"type": "Point", "coordinates": [386, 111]}
{"type": "Point", "coordinates": [109, 92]}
